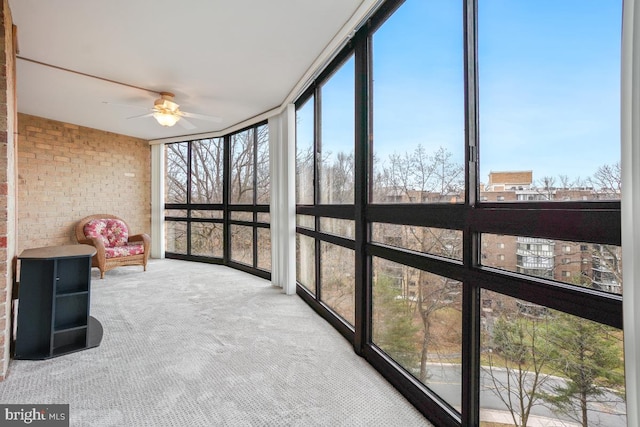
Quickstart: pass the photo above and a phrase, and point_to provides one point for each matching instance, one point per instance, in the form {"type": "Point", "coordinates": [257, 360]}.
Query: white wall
{"type": "Point", "coordinates": [157, 200]}
{"type": "Point", "coordinates": [283, 209]}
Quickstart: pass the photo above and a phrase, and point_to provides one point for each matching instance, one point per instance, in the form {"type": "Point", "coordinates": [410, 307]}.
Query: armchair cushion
{"type": "Point", "coordinates": [112, 232]}
{"type": "Point", "coordinates": [126, 250]}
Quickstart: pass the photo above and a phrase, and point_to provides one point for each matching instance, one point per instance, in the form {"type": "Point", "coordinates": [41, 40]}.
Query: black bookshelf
{"type": "Point", "coordinates": [54, 302]}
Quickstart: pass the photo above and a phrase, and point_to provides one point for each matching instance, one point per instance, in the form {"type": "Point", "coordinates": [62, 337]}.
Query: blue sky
{"type": "Point", "coordinates": [548, 81]}
{"type": "Point", "coordinates": [549, 85]}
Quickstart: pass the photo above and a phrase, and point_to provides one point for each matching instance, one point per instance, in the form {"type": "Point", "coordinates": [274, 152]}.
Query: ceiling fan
{"type": "Point", "coordinates": [168, 113]}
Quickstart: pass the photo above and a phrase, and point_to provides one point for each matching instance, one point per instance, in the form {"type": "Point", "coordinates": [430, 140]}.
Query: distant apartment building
{"type": "Point", "coordinates": [578, 263]}
{"type": "Point", "coordinates": [584, 264]}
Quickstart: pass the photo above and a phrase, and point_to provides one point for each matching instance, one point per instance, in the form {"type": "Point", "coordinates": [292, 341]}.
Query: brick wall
{"type": "Point", "coordinates": [7, 179]}
{"type": "Point", "coordinates": [66, 172]}
{"type": "Point", "coordinates": [511, 178]}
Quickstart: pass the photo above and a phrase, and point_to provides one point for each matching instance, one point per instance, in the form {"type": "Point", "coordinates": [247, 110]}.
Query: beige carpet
{"type": "Point", "coordinates": [189, 344]}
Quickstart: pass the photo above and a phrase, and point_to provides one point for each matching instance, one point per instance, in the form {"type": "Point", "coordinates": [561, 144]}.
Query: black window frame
{"type": "Point", "coordinates": [596, 222]}
{"type": "Point", "coordinates": [226, 208]}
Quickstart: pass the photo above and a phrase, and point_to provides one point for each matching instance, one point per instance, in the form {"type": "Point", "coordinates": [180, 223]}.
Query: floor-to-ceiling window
{"type": "Point", "coordinates": [458, 207]}
{"type": "Point", "coordinates": [549, 105]}
{"type": "Point", "coordinates": [217, 193]}
{"type": "Point", "coordinates": [249, 196]}
{"type": "Point", "coordinates": [326, 187]}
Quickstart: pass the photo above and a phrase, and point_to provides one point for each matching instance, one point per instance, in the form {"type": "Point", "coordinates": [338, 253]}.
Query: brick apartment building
{"type": "Point", "coordinates": [577, 263]}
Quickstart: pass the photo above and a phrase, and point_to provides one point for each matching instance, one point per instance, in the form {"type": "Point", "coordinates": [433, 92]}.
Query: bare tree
{"type": "Point", "coordinates": [263, 172]}
{"type": "Point", "coordinates": [207, 160]}
{"type": "Point", "coordinates": [608, 178]}
{"type": "Point", "coordinates": [420, 177]}
{"type": "Point", "coordinates": [565, 182]}
{"type": "Point", "coordinates": [177, 172]}
{"type": "Point", "coordinates": [242, 168]}
{"type": "Point", "coordinates": [449, 176]}
{"type": "Point", "coordinates": [435, 293]}
{"type": "Point", "coordinates": [517, 363]}
{"type": "Point", "coordinates": [337, 179]}
{"type": "Point", "coordinates": [546, 187]}
{"type": "Point", "coordinates": [304, 174]}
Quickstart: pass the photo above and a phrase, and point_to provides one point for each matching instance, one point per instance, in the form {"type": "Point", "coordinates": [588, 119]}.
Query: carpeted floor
{"type": "Point", "coordinates": [189, 344]}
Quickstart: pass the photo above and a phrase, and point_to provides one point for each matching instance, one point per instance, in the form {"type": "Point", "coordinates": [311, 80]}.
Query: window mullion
{"type": "Point", "coordinates": [226, 182]}
{"type": "Point", "coordinates": [361, 156]}
{"type": "Point", "coordinates": [471, 291]}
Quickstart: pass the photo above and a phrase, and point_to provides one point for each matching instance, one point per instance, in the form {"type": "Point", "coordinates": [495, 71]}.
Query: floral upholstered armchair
{"type": "Point", "coordinates": [114, 245]}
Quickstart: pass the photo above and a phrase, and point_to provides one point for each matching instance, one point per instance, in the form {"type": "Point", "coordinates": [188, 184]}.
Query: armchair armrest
{"type": "Point", "coordinates": [144, 238]}
{"type": "Point", "coordinates": [146, 243]}
{"type": "Point", "coordinates": [96, 243]}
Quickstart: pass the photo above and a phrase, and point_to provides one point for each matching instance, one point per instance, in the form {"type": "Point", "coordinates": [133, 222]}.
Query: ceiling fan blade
{"type": "Point", "coordinates": [186, 124]}
{"type": "Point", "coordinates": [125, 105]}
{"type": "Point", "coordinates": [140, 116]}
{"type": "Point", "coordinates": [202, 117]}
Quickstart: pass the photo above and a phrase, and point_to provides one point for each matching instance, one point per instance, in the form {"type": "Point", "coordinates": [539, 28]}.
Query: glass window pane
{"type": "Point", "coordinates": [582, 264]}
{"type": "Point", "coordinates": [339, 227]}
{"type": "Point", "coordinates": [264, 217]}
{"type": "Point", "coordinates": [207, 239]}
{"type": "Point", "coordinates": [549, 82]}
{"type": "Point", "coordinates": [304, 153]}
{"type": "Point", "coordinates": [242, 168]}
{"type": "Point", "coordinates": [337, 279]}
{"type": "Point", "coordinates": [306, 221]}
{"type": "Point", "coordinates": [242, 244]}
{"type": "Point", "coordinates": [306, 262]}
{"type": "Point", "coordinates": [206, 214]}
{"type": "Point", "coordinates": [416, 319]}
{"type": "Point", "coordinates": [418, 105]}
{"type": "Point", "coordinates": [175, 234]}
{"type": "Point", "coordinates": [336, 166]}
{"type": "Point", "coordinates": [176, 213]}
{"type": "Point", "coordinates": [207, 162]}
{"type": "Point", "coordinates": [544, 366]}
{"type": "Point", "coordinates": [264, 249]}
{"type": "Point", "coordinates": [263, 175]}
{"type": "Point", "coordinates": [434, 241]}
{"type": "Point", "coordinates": [177, 172]}
{"type": "Point", "coordinates": [242, 216]}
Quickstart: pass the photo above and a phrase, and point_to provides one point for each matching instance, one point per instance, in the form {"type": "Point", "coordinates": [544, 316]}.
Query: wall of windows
{"type": "Point", "coordinates": [325, 193]}
{"type": "Point", "coordinates": [217, 194]}
{"type": "Point", "coordinates": [458, 207]}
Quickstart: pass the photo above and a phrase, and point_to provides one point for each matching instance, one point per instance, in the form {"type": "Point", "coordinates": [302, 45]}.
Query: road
{"type": "Point", "coordinates": [445, 380]}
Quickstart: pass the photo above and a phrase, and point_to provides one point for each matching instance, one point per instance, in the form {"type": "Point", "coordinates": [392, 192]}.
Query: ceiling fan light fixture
{"type": "Point", "coordinates": [165, 111]}
{"type": "Point", "coordinates": [165, 104]}
{"type": "Point", "coordinates": [166, 119]}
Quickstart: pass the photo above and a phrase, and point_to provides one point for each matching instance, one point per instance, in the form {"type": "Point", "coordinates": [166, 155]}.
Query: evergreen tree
{"type": "Point", "coordinates": [588, 355]}
{"type": "Point", "coordinates": [393, 330]}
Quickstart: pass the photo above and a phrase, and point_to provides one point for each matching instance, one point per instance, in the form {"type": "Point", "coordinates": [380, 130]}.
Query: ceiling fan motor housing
{"type": "Point", "coordinates": [165, 104]}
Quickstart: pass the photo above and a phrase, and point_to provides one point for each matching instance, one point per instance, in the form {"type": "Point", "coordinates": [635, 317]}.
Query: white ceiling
{"type": "Point", "coordinates": [233, 59]}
